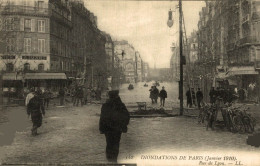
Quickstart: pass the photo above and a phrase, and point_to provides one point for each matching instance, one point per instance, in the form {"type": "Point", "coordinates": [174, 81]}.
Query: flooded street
{"type": "Point", "coordinates": [141, 93]}
{"type": "Point", "coordinates": [12, 120]}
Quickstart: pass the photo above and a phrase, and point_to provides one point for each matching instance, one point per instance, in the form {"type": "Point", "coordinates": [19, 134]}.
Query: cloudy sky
{"type": "Point", "coordinates": [144, 24]}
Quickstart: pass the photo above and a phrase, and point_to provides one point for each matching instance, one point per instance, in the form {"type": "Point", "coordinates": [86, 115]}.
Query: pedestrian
{"type": "Point", "coordinates": [113, 121]}
{"type": "Point", "coordinates": [193, 97]}
{"type": "Point", "coordinates": [162, 95]}
{"type": "Point", "coordinates": [93, 93]}
{"type": "Point", "coordinates": [85, 90]}
{"type": "Point", "coordinates": [189, 98]}
{"type": "Point", "coordinates": [199, 96]}
{"type": "Point", "coordinates": [155, 94]}
{"type": "Point", "coordinates": [98, 94]}
{"type": "Point", "coordinates": [212, 95]}
{"type": "Point", "coordinates": [35, 108]}
{"type": "Point", "coordinates": [29, 96]}
{"type": "Point", "coordinates": [151, 94]}
{"type": "Point", "coordinates": [89, 98]}
{"type": "Point", "coordinates": [61, 95]}
{"type": "Point", "coordinates": [241, 94]}
{"type": "Point", "coordinates": [79, 96]}
{"type": "Point", "coordinates": [46, 97]}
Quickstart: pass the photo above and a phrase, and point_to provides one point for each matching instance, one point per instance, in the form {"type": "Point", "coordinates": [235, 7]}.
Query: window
{"type": "Point", "coordinates": [258, 55]}
{"type": "Point", "coordinates": [9, 24]}
{"type": "Point", "coordinates": [9, 67]}
{"type": "Point", "coordinates": [10, 45]}
{"type": "Point", "coordinates": [27, 45]}
{"type": "Point", "coordinates": [41, 67]}
{"type": "Point", "coordinates": [27, 24]}
{"type": "Point", "coordinates": [40, 4]}
{"type": "Point", "coordinates": [26, 66]}
{"type": "Point", "coordinates": [41, 25]}
{"type": "Point", "coordinates": [41, 45]}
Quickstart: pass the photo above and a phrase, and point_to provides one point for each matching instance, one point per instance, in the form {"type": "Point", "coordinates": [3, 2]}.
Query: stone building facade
{"type": "Point", "coordinates": [43, 37]}
{"type": "Point", "coordinates": [228, 45]}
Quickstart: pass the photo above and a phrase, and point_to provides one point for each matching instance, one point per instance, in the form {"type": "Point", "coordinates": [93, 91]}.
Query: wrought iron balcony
{"type": "Point", "coordinates": [248, 40]}
{"type": "Point", "coordinates": [257, 64]}
{"type": "Point", "coordinates": [19, 9]}
{"type": "Point", "coordinates": [256, 15]}
{"type": "Point", "coordinates": [60, 18]}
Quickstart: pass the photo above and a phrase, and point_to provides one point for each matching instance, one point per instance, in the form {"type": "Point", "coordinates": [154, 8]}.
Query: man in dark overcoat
{"type": "Point", "coordinates": [162, 95]}
{"type": "Point", "coordinates": [113, 121]}
{"type": "Point", "coordinates": [35, 108]}
{"type": "Point", "coordinates": [189, 98]}
{"type": "Point", "coordinates": [199, 96]}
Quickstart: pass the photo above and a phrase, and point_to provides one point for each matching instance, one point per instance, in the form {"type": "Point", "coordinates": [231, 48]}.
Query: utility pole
{"type": "Point", "coordinates": [181, 59]}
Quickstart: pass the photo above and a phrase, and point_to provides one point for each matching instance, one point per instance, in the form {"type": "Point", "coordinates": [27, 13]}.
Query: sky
{"type": "Point", "coordinates": [144, 24]}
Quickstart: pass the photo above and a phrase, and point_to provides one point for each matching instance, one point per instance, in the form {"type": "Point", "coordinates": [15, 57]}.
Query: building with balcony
{"type": "Point", "coordinates": [228, 46]}
{"type": "Point", "coordinates": [44, 41]}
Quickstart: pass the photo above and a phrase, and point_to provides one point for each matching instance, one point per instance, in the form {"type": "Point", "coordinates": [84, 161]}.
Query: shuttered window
{"type": "Point", "coordinates": [41, 45]}
{"type": "Point", "coordinates": [41, 25]}
{"type": "Point", "coordinates": [27, 45]}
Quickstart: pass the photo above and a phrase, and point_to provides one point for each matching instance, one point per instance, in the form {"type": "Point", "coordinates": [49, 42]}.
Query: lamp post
{"type": "Point", "coordinates": [170, 22]}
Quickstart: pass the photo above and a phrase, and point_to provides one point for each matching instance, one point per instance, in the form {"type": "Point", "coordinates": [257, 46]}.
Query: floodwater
{"type": "Point", "coordinates": [12, 120]}
{"type": "Point", "coordinates": [141, 93]}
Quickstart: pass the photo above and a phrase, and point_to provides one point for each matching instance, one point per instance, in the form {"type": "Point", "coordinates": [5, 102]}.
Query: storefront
{"type": "Point", "coordinates": [246, 78]}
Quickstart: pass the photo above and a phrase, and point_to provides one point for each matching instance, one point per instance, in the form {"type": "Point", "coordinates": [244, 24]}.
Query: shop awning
{"type": "Point", "coordinates": [245, 70]}
{"type": "Point", "coordinates": [12, 76]}
{"type": "Point", "coordinates": [45, 76]}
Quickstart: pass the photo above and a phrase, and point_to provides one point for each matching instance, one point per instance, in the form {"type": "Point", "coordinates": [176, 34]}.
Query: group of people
{"type": "Point", "coordinates": [223, 94]}
{"type": "Point", "coordinates": [227, 95]}
{"type": "Point", "coordinates": [192, 97]}
{"type": "Point", "coordinates": [113, 121]}
{"type": "Point", "coordinates": [154, 94]}
{"type": "Point", "coordinates": [84, 95]}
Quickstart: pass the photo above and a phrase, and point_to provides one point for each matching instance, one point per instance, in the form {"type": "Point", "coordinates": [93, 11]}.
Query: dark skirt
{"type": "Point", "coordinates": [36, 119]}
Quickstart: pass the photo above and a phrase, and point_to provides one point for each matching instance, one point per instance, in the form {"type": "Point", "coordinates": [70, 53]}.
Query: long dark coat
{"type": "Point", "coordinates": [35, 108]}
{"type": "Point", "coordinates": [163, 94]}
{"type": "Point", "coordinates": [114, 116]}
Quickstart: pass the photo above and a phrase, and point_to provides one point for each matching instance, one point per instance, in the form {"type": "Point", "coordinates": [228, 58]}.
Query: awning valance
{"type": "Point", "coordinates": [247, 70]}
{"type": "Point", "coordinates": [12, 76]}
{"type": "Point", "coordinates": [45, 76]}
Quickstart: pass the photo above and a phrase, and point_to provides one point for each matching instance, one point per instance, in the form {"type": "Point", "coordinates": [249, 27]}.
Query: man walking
{"type": "Point", "coordinates": [61, 95]}
{"type": "Point", "coordinates": [46, 97]}
{"type": "Point", "coordinates": [113, 121]}
{"type": "Point", "coordinates": [193, 97]}
{"type": "Point", "coordinates": [156, 94]}
{"type": "Point", "coordinates": [35, 108]}
{"type": "Point", "coordinates": [162, 95]}
{"type": "Point", "coordinates": [199, 96]}
{"type": "Point", "coordinates": [212, 95]}
{"type": "Point", "coordinates": [79, 96]}
{"type": "Point", "coordinates": [189, 98]}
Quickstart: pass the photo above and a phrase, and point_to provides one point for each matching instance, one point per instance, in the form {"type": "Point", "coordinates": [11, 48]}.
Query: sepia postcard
{"type": "Point", "coordinates": [130, 82]}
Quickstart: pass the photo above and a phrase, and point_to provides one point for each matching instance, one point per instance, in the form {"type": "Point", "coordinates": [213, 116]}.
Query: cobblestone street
{"type": "Point", "coordinates": [71, 135]}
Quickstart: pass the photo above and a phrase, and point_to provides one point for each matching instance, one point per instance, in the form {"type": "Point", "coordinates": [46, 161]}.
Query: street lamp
{"type": "Point", "coordinates": [170, 22]}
